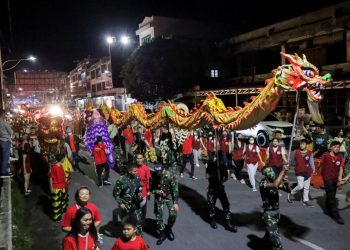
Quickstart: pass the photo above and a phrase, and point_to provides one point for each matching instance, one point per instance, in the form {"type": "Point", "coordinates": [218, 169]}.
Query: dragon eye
{"type": "Point", "coordinates": [308, 72]}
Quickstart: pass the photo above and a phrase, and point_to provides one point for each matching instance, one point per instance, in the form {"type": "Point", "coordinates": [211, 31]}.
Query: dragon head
{"type": "Point", "coordinates": [50, 128]}
{"type": "Point", "coordinates": [301, 74]}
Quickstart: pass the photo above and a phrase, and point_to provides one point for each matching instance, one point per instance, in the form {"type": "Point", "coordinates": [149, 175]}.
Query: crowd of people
{"type": "Point", "coordinates": [224, 154]}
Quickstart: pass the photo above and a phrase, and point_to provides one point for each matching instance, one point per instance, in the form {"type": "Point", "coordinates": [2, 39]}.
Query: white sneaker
{"type": "Point", "coordinates": [233, 176]}
{"type": "Point", "coordinates": [242, 181]}
{"type": "Point", "coordinates": [254, 190]}
{"type": "Point", "coordinates": [279, 193]}
{"type": "Point", "coordinates": [197, 166]}
{"type": "Point", "coordinates": [181, 175]}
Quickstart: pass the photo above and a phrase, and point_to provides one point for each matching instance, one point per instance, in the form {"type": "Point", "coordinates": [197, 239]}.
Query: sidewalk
{"type": "Point", "coordinates": [5, 215]}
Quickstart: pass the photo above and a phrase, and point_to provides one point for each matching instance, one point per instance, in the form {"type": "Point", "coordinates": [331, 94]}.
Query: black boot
{"type": "Point", "coordinates": [213, 223]}
{"type": "Point", "coordinates": [162, 237]}
{"type": "Point", "coordinates": [169, 233]}
{"type": "Point", "coordinates": [230, 227]}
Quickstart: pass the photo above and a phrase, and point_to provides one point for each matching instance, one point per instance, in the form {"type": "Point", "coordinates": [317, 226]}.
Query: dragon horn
{"type": "Point", "coordinates": [305, 59]}
{"type": "Point", "coordinates": [293, 59]}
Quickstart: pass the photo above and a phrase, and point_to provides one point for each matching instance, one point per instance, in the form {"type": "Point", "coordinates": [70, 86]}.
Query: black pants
{"type": "Point", "coordinates": [214, 193]}
{"type": "Point", "coordinates": [185, 159]}
{"type": "Point", "coordinates": [99, 171]}
{"type": "Point", "coordinates": [331, 201]}
{"type": "Point", "coordinates": [239, 167]}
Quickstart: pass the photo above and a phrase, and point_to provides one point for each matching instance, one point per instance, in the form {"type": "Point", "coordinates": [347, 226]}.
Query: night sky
{"type": "Point", "coordinates": [58, 32]}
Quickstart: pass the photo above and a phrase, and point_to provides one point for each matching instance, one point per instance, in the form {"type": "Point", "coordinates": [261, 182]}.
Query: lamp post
{"type": "Point", "coordinates": [2, 70]}
{"type": "Point", "coordinates": [124, 40]}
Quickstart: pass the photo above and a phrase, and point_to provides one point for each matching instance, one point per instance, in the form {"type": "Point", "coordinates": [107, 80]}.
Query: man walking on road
{"type": "Point", "coordinates": [100, 157]}
{"type": "Point", "coordinates": [128, 194]}
{"type": "Point", "coordinates": [144, 174]}
{"type": "Point", "coordinates": [5, 144]}
{"type": "Point", "coordinates": [74, 143]}
{"type": "Point", "coordinates": [129, 139]}
{"type": "Point", "coordinates": [270, 198]}
{"type": "Point", "coordinates": [332, 173]}
{"type": "Point", "coordinates": [165, 189]}
{"type": "Point", "coordinates": [217, 175]}
{"type": "Point", "coordinates": [304, 168]}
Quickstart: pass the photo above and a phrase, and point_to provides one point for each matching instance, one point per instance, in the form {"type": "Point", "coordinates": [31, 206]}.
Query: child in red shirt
{"type": "Point", "coordinates": [129, 240]}
{"type": "Point", "coordinates": [83, 235]}
{"type": "Point", "coordinates": [82, 197]}
{"type": "Point", "coordinates": [332, 172]}
{"type": "Point", "coordinates": [100, 156]}
{"type": "Point", "coordinates": [58, 186]}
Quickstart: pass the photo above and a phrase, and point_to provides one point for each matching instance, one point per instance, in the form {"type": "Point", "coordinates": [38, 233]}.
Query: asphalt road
{"type": "Point", "coordinates": [301, 227]}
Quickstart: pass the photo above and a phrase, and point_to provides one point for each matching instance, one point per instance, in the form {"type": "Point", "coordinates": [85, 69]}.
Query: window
{"type": "Point", "coordinates": [146, 39]}
{"type": "Point", "coordinates": [214, 73]}
{"type": "Point", "coordinates": [93, 74]}
{"type": "Point", "coordinates": [98, 86]}
{"type": "Point", "coordinates": [103, 68]}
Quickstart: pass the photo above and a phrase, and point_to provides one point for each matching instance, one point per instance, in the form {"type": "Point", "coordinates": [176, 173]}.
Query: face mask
{"type": "Point", "coordinates": [251, 141]}
{"type": "Point", "coordinates": [69, 133]}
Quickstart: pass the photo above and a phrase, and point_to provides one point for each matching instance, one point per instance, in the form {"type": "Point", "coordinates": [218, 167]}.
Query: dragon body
{"type": "Point", "coordinates": [298, 75]}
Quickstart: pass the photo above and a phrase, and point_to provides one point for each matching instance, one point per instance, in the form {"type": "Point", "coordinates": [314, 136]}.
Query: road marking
{"type": "Point", "coordinates": [309, 244]}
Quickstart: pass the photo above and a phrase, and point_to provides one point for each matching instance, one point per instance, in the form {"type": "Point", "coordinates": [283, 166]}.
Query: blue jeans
{"type": "Point", "coordinates": [5, 147]}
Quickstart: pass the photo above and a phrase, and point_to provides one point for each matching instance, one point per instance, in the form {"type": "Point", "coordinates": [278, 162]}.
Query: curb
{"type": "Point", "coordinates": [6, 215]}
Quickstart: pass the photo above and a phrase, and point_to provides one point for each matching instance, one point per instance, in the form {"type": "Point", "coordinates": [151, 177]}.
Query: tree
{"type": "Point", "coordinates": [162, 68]}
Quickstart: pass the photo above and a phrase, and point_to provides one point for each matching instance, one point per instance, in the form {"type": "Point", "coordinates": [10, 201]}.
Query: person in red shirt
{"type": "Point", "coordinates": [100, 157]}
{"type": "Point", "coordinates": [83, 235]}
{"type": "Point", "coordinates": [238, 151]}
{"type": "Point", "coordinates": [150, 154]}
{"type": "Point", "coordinates": [74, 144]}
{"type": "Point", "coordinates": [196, 145]}
{"type": "Point", "coordinates": [82, 197]}
{"type": "Point", "coordinates": [225, 149]}
{"type": "Point", "coordinates": [210, 146]}
{"type": "Point", "coordinates": [26, 168]}
{"type": "Point", "coordinates": [304, 167]}
{"type": "Point", "coordinates": [129, 240]}
{"type": "Point", "coordinates": [129, 139]}
{"type": "Point", "coordinates": [58, 186]}
{"type": "Point", "coordinates": [145, 177]}
{"type": "Point", "coordinates": [332, 172]}
{"type": "Point", "coordinates": [276, 156]}
{"type": "Point", "coordinates": [187, 155]}
{"type": "Point", "coordinates": [252, 158]}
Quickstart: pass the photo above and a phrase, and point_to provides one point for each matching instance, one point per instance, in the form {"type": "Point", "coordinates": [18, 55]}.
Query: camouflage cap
{"type": "Point", "coordinates": [51, 158]}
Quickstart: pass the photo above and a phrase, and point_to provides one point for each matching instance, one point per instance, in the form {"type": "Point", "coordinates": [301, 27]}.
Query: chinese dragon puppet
{"type": "Point", "coordinates": [96, 126]}
{"type": "Point", "coordinates": [298, 75]}
{"type": "Point", "coordinates": [50, 130]}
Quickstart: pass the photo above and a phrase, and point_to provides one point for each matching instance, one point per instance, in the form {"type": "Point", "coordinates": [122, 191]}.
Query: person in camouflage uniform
{"type": "Point", "coordinates": [127, 192]}
{"type": "Point", "coordinates": [166, 191]}
{"type": "Point", "coordinates": [270, 198]}
{"type": "Point", "coordinates": [216, 177]}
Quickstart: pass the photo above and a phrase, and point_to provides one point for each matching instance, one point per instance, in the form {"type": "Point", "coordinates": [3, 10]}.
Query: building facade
{"type": "Point", "coordinates": [38, 87]}
{"type": "Point", "coordinates": [323, 36]}
{"type": "Point", "coordinates": [91, 81]}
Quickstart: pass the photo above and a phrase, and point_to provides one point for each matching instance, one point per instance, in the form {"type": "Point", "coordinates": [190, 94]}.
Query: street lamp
{"type": "Point", "coordinates": [2, 64]}
{"type": "Point", "coordinates": [124, 40]}
{"type": "Point", "coordinates": [30, 58]}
